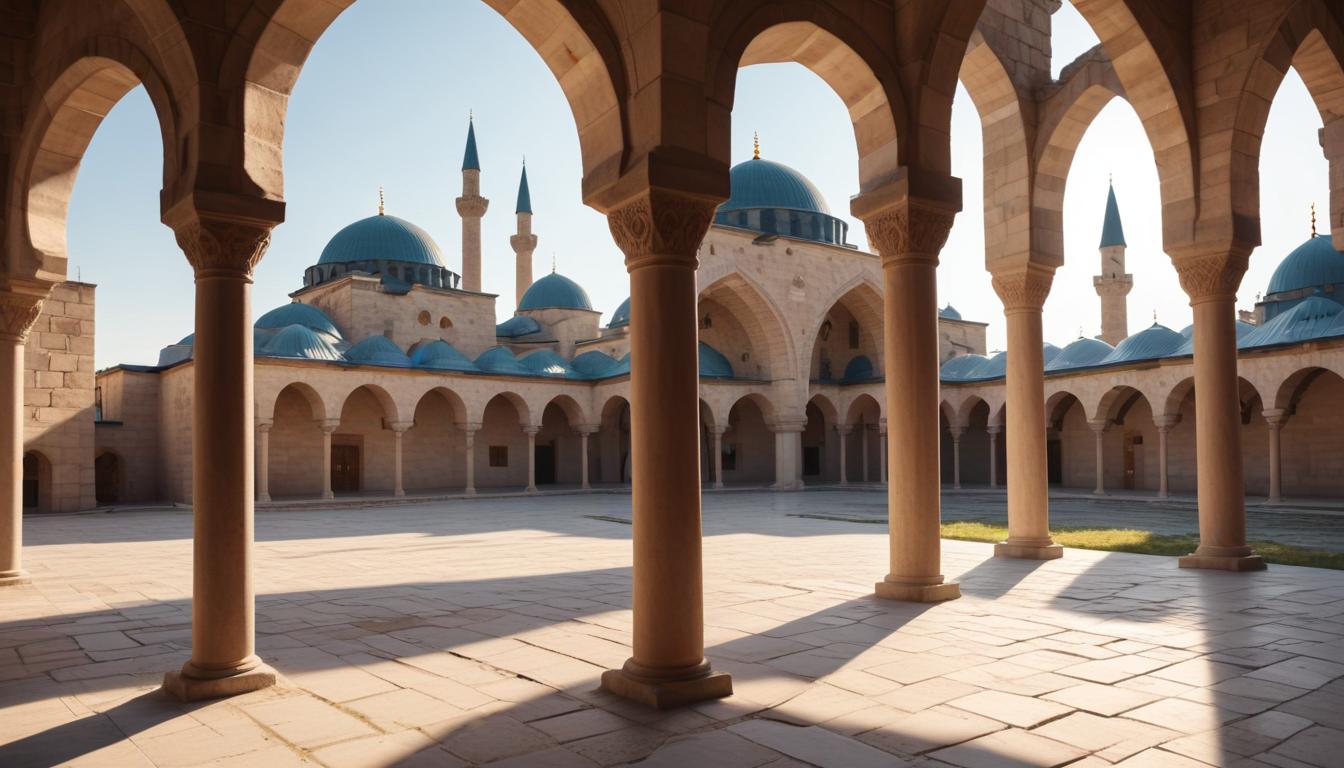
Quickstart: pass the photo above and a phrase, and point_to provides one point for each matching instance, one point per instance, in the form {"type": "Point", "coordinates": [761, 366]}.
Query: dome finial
{"type": "Point", "coordinates": [755, 145]}
{"type": "Point", "coordinates": [380, 199]}
{"type": "Point", "coordinates": [1313, 219]}
{"type": "Point", "coordinates": [552, 262]}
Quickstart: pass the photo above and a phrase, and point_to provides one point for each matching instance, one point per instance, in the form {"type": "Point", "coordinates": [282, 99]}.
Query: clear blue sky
{"type": "Point", "coordinates": [383, 100]}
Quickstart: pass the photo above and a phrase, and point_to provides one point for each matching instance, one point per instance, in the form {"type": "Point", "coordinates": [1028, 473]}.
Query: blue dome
{"type": "Point", "coordinates": [544, 362]}
{"type": "Point", "coordinates": [1149, 344]}
{"type": "Point", "coordinates": [501, 360]}
{"type": "Point", "coordinates": [518, 325]}
{"type": "Point", "coordinates": [378, 350]}
{"type": "Point", "coordinates": [961, 366]}
{"type": "Point", "coordinates": [1314, 318]}
{"type": "Point", "coordinates": [1312, 264]}
{"type": "Point", "coordinates": [302, 342]}
{"type": "Point", "coordinates": [713, 365]}
{"type": "Point", "coordinates": [761, 183]}
{"type": "Point", "coordinates": [594, 364]}
{"type": "Point", "coordinates": [621, 317]}
{"type": "Point", "coordinates": [1049, 352]}
{"type": "Point", "coordinates": [996, 367]}
{"type": "Point", "coordinates": [1080, 354]}
{"type": "Point", "coordinates": [858, 369]}
{"type": "Point", "coordinates": [555, 291]}
{"type": "Point", "coordinates": [385, 238]}
{"type": "Point", "coordinates": [949, 313]}
{"type": "Point", "coordinates": [439, 355]}
{"type": "Point", "coordinates": [295, 313]}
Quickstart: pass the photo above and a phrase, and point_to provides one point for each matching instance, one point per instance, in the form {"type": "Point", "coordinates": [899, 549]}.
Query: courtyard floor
{"type": "Point", "coordinates": [470, 632]}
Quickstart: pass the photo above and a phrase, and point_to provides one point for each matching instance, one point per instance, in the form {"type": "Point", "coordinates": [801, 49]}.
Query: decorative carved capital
{"type": "Point", "coordinates": [1211, 275]}
{"type": "Point", "coordinates": [1024, 290]}
{"type": "Point", "coordinates": [661, 226]}
{"type": "Point", "coordinates": [20, 305]}
{"type": "Point", "coordinates": [909, 232]}
{"type": "Point", "coordinates": [223, 246]}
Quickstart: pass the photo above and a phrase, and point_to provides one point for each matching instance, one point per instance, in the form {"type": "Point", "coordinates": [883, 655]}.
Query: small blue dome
{"type": "Point", "coordinates": [1149, 344]}
{"type": "Point", "coordinates": [1049, 352]}
{"type": "Point", "coordinates": [190, 338]}
{"type": "Point", "coordinates": [296, 313]}
{"type": "Point", "coordinates": [761, 183]}
{"type": "Point", "coordinates": [518, 325]}
{"type": "Point", "coordinates": [378, 350]}
{"type": "Point", "coordinates": [544, 362]}
{"type": "Point", "coordinates": [501, 360]}
{"type": "Point", "coordinates": [1314, 318]}
{"type": "Point", "coordinates": [382, 237]}
{"type": "Point", "coordinates": [949, 313]}
{"type": "Point", "coordinates": [1312, 264]}
{"type": "Point", "coordinates": [302, 342]}
{"type": "Point", "coordinates": [961, 366]}
{"type": "Point", "coordinates": [621, 317]}
{"type": "Point", "coordinates": [555, 291]}
{"type": "Point", "coordinates": [1080, 354]}
{"type": "Point", "coordinates": [439, 355]}
{"type": "Point", "coordinates": [713, 365]}
{"type": "Point", "coordinates": [996, 367]}
{"type": "Point", "coordinates": [595, 364]}
{"type": "Point", "coordinates": [858, 369]}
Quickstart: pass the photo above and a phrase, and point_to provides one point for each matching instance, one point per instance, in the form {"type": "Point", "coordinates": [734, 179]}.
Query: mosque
{"type": "Point", "coordinates": [388, 375]}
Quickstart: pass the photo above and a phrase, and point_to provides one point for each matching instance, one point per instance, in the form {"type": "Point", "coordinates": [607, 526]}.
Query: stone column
{"type": "Point", "coordinates": [1275, 419]}
{"type": "Point", "coordinates": [843, 430]}
{"type": "Point", "coordinates": [717, 432]}
{"type": "Point", "coordinates": [788, 450]}
{"type": "Point", "coordinates": [327, 426]}
{"type": "Point", "coordinates": [469, 432]}
{"type": "Point", "coordinates": [585, 433]}
{"type": "Point", "coordinates": [1164, 426]}
{"type": "Point", "coordinates": [993, 433]}
{"type": "Point", "coordinates": [1099, 429]}
{"type": "Point", "coordinates": [531, 431]}
{"type": "Point", "coordinates": [882, 449]}
{"type": "Point", "coordinates": [908, 235]}
{"type": "Point", "coordinates": [398, 429]}
{"type": "Point", "coordinates": [223, 250]}
{"type": "Point", "coordinates": [1210, 278]}
{"type": "Point", "coordinates": [1023, 293]}
{"type": "Point", "coordinates": [660, 232]}
{"type": "Point", "coordinates": [956, 433]}
{"type": "Point", "coordinates": [264, 459]}
{"type": "Point", "coordinates": [863, 446]}
{"type": "Point", "coordinates": [20, 306]}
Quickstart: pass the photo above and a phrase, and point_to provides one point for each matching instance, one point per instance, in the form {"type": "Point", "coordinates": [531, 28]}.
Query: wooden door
{"type": "Point", "coordinates": [345, 468]}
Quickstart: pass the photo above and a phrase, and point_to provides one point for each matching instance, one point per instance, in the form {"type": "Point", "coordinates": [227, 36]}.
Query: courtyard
{"type": "Point", "coordinates": [475, 632]}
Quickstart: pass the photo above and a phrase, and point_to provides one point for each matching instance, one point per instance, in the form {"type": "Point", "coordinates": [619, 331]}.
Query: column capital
{"type": "Point", "coordinates": [718, 429]}
{"type": "Point", "coordinates": [587, 429]}
{"type": "Point", "coordinates": [787, 425]}
{"type": "Point", "coordinates": [994, 429]}
{"type": "Point", "coordinates": [328, 425]}
{"type": "Point", "coordinates": [1276, 417]}
{"type": "Point", "coordinates": [909, 230]}
{"type": "Point", "coordinates": [264, 425]}
{"type": "Point", "coordinates": [1211, 271]}
{"type": "Point", "coordinates": [1025, 289]}
{"type": "Point", "coordinates": [468, 426]}
{"type": "Point", "coordinates": [1165, 423]}
{"type": "Point", "coordinates": [844, 429]}
{"type": "Point", "coordinates": [1099, 425]}
{"type": "Point", "coordinates": [661, 226]}
{"type": "Point", "coordinates": [400, 427]}
{"type": "Point", "coordinates": [531, 429]}
{"type": "Point", "coordinates": [956, 432]}
{"type": "Point", "coordinates": [227, 238]}
{"type": "Point", "coordinates": [20, 306]}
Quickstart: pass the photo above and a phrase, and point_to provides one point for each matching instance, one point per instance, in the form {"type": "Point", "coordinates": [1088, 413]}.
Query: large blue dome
{"type": "Point", "coordinates": [761, 183]}
{"type": "Point", "coordinates": [1313, 263]}
{"type": "Point", "coordinates": [382, 238]}
{"type": "Point", "coordinates": [555, 291]}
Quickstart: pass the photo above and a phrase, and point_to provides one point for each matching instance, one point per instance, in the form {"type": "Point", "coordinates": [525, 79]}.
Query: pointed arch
{"type": "Point", "coordinates": [456, 404]}
{"type": "Point", "coordinates": [767, 332]}
{"type": "Point", "coordinates": [863, 300]}
{"type": "Point", "coordinates": [302, 389]}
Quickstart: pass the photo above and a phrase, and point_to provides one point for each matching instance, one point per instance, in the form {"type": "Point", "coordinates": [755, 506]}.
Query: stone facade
{"type": "Point", "coordinates": [59, 403]}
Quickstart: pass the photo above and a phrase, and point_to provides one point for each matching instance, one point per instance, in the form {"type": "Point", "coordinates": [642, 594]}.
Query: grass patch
{"type": "Point", "coordinates": [1142, 543]}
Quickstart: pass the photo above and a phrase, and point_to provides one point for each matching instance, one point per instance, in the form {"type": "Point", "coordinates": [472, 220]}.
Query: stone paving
{"type": "Point", "coordinates": [474, 632]}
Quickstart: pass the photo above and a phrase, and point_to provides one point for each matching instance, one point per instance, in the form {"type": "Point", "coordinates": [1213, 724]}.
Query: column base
{"type": "Point", "coordinates": [191, 684]}
{"type": "Point", "coordinates": [469, 492]}
{"type": "Point", "coordinates": [15, 578]}
{"type": "Point", "coordinates": [328, 495]}
{"type": "Point", "coordinates": [263, 498]}
{"type": "Point", "coordinates": [1239, 563]}
{"type": "Point", "coordinates": [667, 694]}
{"type": "Point", "coordinates": [1028, 551]}
{"type": "Point", "coordinates": [918, 593]}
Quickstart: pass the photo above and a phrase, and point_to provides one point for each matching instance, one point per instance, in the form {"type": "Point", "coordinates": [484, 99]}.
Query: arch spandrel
{"type": "Point", "coordinates": [751, 306]}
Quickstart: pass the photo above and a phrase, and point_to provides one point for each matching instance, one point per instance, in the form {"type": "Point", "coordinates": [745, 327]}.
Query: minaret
{"type": "Point", "coordinates": [471, 207]}
{"type": "Point", "coordinates": [524, 243]}
{"type": "Point", "coordinates": [1113, 284]}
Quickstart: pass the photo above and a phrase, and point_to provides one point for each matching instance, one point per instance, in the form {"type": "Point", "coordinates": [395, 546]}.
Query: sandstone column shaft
{"type": "Point", "coordinates": [843, 431]}
{"type": "Point", "coordinates": [1274, 420]}
{"type": "Point", "coordinates": [882, 454]}
{"type": "Point", "coordinates": [718, 456]}
{"type": "Point", "coordinates": [1162, 488]}
{"type": "Point", "coordinates": [957, 432]}
{"type": "Point", "coordinates": [264, 461]}
{"type": "Point", "coordinates": [398, 486]}
{"type": "Point", "coordinates": [327, 429]}
{"type": "Point", "coordinates": [470, 435]}
{"type": "Point", "coordinates": [1099, 429]}
{"type": "Point", "coordinates": [863, 446]}
{"type": "Point", "coordinates": [21, 306]}
{"type": "Point", "coordinates": [583, 459]}
{"type": "Point", "coordinates": [993, 456]}
{"type": "Point", "coordinates": [531, 458]}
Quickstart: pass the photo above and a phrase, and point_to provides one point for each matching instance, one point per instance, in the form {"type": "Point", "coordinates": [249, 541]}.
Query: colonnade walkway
{"type": "Point", "coordinates": [468, 632]}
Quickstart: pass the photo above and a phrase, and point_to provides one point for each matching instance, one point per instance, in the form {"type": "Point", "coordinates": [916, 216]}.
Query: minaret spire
{"type": "Point", "coordinates": [471, 207]}
{"type": "Point", "coordinates": [524, 242]}
{"type": "Point", "coordinates": [1113, 284]}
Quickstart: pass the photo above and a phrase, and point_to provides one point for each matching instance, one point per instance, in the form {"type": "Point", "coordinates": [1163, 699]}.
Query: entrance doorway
{"type": "Point", "coordinates": [107, 478]}
{"type": "Point", "coordinates": [32, 473]}
{"type": "Point", "coordinates": [345, 468]}
{"type": "Point", "coordinates": [811, 460]}
{"type": "Point", "coordinates": [545, 458]}
{"type": "Point", "coordinates": [1054, 461]}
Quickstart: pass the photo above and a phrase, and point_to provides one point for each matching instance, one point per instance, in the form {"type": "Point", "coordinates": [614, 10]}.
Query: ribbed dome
{"type": "Point", "coordinates": [1049, 352]}
{"type": "Point", "coordinates": [713, 365]}
{"type": "Point", "coordinates": [378, 350]}
{"type": "Point", "coordinates": [1313, 263]}
{"type": "Point", "coordinates": [996, 367]}
{"type": "Point", "coordinates": [382, 237]}
{"type": "Point", "coordinates": [544, 362]}
{"type": "Point", "coordinates": [761, 183]}
{"type": "Point", "coordinates": [295, 313]}
{"type": "Point", "coordinates": [595, 364]}
{"type": "Point", "coordinates": [621, 317]}
{"type": "Point", "coordinates": [1149, 344]}
{"type": "Point", "coordinates": [1314, 318]}
{"type": "Point", "coordinates": [961, 366]}
{"type": "Point", "coordinates": [302, 342]}
{"type": "Point", "coordinates": [518, 325]}
{"type": "Point", "coordinates": [1080, 354]}
{"type": "Point", "coordinates": [439, 355]}
{"type": "Point", "coordinates": [500, 360]}
{"type": "Point", "coordinates": [555, 291]}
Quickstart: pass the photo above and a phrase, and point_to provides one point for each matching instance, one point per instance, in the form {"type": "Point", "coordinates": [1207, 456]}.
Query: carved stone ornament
{"type": "Point", "coordinates": [661, 225]}
{"type": "Point", "coordinates": [18, 313]}
{"type": "Point", "coordinates": [1025, 290]}
{"type": "Point", "coordinates": [909, 232]}
{"type": "Point", "coordinates": [1211, 275]}
{"type": "Point", "coordinates": [223, 246]}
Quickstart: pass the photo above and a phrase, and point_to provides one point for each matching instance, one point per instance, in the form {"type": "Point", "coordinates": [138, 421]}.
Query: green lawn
{"type": "Point", "coordinates": [1143, 543]}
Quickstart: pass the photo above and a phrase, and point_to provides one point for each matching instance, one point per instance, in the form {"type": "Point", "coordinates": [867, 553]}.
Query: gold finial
{"type": "Point", "coordinates": [380, 199]}
{"type": "Point", "coordinates": [1313, 219]}
{"type": "Point", "coordinates": [755, 145]}
{"type": "Point", "coordinates": [1080, 331]}
{"type": "Point", "coordinates": [1154, 316]}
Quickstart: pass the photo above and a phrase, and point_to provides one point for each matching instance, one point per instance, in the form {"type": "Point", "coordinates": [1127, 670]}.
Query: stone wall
{"type": "Point", "coordinates": [58, 408]}
{"type": "Point", "coordinates": [959, 337]}
{"type": "Point", "coordinates": [129, 431]}
{"type": "Point", "coordinates": [360, 308]}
